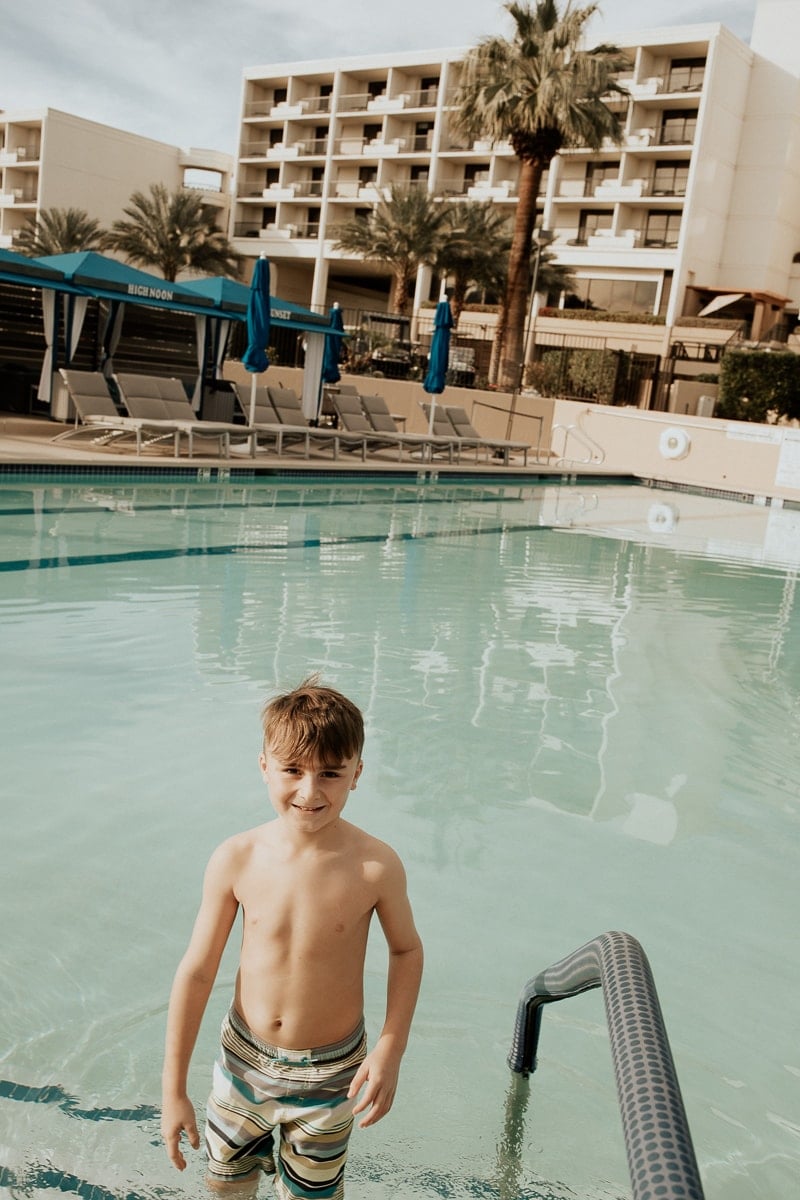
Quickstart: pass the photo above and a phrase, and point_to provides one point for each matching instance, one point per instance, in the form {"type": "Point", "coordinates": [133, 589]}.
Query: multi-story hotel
{"type": "Point", "coordinates": [52, 159]}
{"type": "Point", "coordinates": [699, 202]}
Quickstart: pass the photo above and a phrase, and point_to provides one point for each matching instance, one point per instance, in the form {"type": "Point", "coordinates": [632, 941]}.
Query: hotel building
{"type": "Point", "coordinates": [52, 159]}
{"type": "Point", "coordinates": [700, 201]}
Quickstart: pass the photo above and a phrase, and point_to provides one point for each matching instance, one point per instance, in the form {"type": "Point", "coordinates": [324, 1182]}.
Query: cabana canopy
{"type": "Point", "coordinates": [87, 274]}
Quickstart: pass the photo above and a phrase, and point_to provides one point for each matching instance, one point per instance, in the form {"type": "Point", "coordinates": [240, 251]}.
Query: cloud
{"type": "Point", "coordinates": [172, 69]}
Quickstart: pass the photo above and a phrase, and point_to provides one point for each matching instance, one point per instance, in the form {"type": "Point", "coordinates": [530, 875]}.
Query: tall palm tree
{"type": "Point", "coordinates": [173, 232]}
{"type": "Point", "coordinates": [541, 92]}
{"type": "Point", "coordinates": [58, 231]}
{"type": "Point", "coordinates": [475, 249]}
{"type": "Point", "coordinates": [404, 231]}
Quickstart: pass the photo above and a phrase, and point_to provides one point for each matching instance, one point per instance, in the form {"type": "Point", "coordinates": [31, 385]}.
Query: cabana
{"type": "Point", "coordinates": [213, 301]}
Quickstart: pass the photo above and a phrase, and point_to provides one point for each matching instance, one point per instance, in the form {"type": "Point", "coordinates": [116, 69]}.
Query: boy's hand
{"type": "Point", "coordinates": [178, 1116]}
{"type": "Point", "coordinates": [379, 1071]}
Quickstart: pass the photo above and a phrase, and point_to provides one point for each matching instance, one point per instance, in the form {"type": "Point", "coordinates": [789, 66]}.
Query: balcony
{"type": "Point", "coordinates": [612, 189]}
{"type": "Point", "coordinates": [386, 104]}
{"type": "Point", "coordinates": [607, 239]}
{"type": "Point", "coordinates": [28, 153]}
{"type": "Point", "coordinates": [17, 195]}
{"type": "Point", "coordinates": [354, 102]}
{"type": "Point", "coordinates": [483, 190]}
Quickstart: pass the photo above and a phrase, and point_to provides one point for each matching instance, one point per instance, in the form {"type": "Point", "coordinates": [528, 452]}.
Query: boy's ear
{"type": "Point", "coordinates": [359, 769]}
{"type": "Point", "coordinates": [262, 762]}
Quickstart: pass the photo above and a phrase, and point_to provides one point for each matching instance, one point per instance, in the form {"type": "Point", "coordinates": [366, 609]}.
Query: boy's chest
{"type": "Point", "coordinates": [306, 903]}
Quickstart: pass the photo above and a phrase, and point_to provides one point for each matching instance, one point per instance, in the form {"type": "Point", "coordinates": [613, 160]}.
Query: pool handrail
{"type": "Point", "coordinates": [658, 1144]}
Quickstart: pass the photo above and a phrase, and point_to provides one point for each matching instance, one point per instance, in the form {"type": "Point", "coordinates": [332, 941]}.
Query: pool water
{"type": "Point", "coordinates": [582, 706]}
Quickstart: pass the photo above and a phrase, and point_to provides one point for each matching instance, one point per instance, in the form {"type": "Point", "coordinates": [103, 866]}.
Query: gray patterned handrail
{"type": "Point", "coordinates": [658, 1144]}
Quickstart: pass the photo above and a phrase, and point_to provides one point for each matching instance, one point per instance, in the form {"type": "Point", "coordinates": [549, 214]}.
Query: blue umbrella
{"type": "Point", "coordinates": [255, 358]}
{"type": "Point", "coordinates": [333, 348]}
{"type": "Point", "coordinates": [439, 356]}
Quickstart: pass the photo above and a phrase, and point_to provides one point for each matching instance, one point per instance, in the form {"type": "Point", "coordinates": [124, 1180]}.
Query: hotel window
{"type": "Point", "coordinates": [686, 74]}
{"type": "Point", "coordinates": [423, 134]}
{"type": "Point", "coordinates": [599, 173]}
{"type": "Point", "coordinates": [476, 173]}
{"type": "Point", "coordinates": [679, 127]}
{"type": "Point", "coordinates": [367, 176]}
{"type": "Point", "coordinates": [429, 89]}
{"type": "Point", "coordinates": [670, 178]}
{"type": "Point", "coordinates": [592, 221]}
{"type": "Point", "coordinates": [662, 229]}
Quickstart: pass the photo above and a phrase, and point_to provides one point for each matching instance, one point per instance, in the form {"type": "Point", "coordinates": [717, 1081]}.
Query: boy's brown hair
{"type": "Point", "coordinates": [312, 722]}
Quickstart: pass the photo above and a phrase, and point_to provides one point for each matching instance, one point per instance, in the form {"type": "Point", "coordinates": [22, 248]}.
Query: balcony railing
{"type": "Point", "coordinates": [354, 102]}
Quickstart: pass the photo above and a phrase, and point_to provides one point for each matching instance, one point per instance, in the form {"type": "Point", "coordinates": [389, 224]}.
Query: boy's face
{"type": "Point", "coordinates": [309, 794]}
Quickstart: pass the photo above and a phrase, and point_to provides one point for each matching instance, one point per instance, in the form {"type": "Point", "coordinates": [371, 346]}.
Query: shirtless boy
{"type": "Point", "coordinates": [293, 1067]}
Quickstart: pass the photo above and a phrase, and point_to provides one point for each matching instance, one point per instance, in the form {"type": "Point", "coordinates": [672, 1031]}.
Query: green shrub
{"type": "Point", "coordinates": [593, 314]}
{"type": "Point", "coordinates": [754, 383]}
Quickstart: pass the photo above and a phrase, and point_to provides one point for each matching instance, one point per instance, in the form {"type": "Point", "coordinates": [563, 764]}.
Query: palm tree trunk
{"type": "Point", "coordinates": [512, 349]}
{"type": "Point", "coordinates": [497, 344]}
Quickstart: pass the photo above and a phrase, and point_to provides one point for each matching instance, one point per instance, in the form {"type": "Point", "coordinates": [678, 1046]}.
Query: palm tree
{"type": "Point", "coordinates": [540, 92]}
{"type": "Point", "coordinates": [173, 232]}
{"type": "Point", "coordinates": [474, 251]}
{"type": "Point", "coordinates": [404, 231]}
{"type": "Point", "coordinates": [58, 231]}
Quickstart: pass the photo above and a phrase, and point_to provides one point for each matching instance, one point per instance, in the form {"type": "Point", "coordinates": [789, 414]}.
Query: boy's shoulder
{"type": "Point", "coordinates": [370, 848]}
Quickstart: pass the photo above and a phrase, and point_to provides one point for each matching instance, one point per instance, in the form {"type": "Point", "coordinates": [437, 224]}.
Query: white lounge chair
{"type": "Point", "coordinates": [156, 399]}
{"type": "Point", "coordinates": [97, 415]}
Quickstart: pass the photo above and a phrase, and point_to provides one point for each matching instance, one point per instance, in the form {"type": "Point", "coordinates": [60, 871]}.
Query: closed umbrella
{"type": "Point", "coordinates": [333, 348]}
{"type": "Point", "coordinates": [436, 376]}
{"type": "Point", "coordinates": [255, 358]}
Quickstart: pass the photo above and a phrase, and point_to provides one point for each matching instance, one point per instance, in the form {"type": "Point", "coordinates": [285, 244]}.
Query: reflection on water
{"type": "Point", "coordinates": [582, 709]}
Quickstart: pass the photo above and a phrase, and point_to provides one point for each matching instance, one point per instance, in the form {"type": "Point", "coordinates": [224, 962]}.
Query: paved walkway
{"type": "Point", "coordinates": [30, 441]}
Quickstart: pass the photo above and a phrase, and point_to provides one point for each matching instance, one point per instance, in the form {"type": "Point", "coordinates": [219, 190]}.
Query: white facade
{"type": "Point", "coordinates": [54, 159]}
{"type": "Point", "coordinates": [702, 196]}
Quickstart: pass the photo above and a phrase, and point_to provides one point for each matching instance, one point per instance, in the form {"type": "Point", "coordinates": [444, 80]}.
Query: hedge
{"type": "Point", "coordinates": [755, 383]}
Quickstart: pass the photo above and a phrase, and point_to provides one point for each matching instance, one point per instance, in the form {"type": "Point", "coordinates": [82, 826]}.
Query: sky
{"type": "Point", "coordinates": [172, 69]}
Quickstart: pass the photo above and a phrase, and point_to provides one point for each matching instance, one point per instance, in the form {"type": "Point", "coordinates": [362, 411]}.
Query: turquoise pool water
{"type": "Point", "coordinates": [583, 706]}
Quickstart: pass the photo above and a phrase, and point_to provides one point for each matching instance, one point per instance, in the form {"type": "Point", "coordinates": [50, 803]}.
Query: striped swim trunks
{"type": "Point", "coordinates": [263, 1093]}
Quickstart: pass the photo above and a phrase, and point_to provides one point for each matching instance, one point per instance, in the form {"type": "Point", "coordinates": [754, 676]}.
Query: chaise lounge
{"type": "Point", "coordinates": [97, 415]}
{"type": "Point", "coordinates": [163, 402]}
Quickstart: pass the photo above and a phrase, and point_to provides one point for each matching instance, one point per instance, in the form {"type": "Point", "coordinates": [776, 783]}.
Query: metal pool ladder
{"type": "Point", "coordinates": [661, 1157]}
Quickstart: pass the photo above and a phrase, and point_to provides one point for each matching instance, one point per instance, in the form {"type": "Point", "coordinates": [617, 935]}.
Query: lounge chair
{"type": "Point", "coordinates": [499, 446]}
{"type": "Point", "coordinates": [163, 400]}
{"type": "Point", "coordinates": [97, 415]}
{"type": "Point", "coordinates": [266, 426]}
{"type": "Point", "coordinates": [455, 420]}
{"type": "Point", "coordinates": [289, 412]}
{"type": "Point", "coordinates": [377, 413]}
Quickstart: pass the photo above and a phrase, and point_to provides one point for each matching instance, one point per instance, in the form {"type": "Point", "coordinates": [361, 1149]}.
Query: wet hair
{"type": "Point", "coordinates": [312, 722]}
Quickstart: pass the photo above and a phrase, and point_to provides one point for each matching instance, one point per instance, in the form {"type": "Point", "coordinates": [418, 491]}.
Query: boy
{"type": "Point", "coordinates": [293, 1057]}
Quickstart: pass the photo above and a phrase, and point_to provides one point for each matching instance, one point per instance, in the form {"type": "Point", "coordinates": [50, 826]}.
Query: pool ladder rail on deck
{"type": "Point", "coordinates": [594, 452]}
{"type": "Point", "coordinates": [661, 1157]}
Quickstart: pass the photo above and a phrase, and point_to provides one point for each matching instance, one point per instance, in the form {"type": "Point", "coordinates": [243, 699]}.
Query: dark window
{"type": "Point", "coordinates": [269, 215]}
{"type": "Point", "coordinates": [597, 173]}
{"type": "Point", "coordinates": [662, 229]}
{"type": "Point", "coordinates": [686, 74]}
{"type": "Point", "coordinates": [372, 131]}
{"type": "Point", "coordinates": [275, 136]}
{"type": "Point", "coordinates": [367, 175]}
{"type": "Point", "coordinates": [375, 88]}
{"type": "Point", "coordinates": [591, 221]}
{"type": "Point", "coordinates": [679, 127]}
{"type": "Point", "coordinates": [476, 173]}
{"type": "Point", "coordinates": [273, 175]}
{"type": "Point", "coordinates": [279, 95]}
{"type": "Point", "coordinates": [420, 174]}
{"type": "Point", "coordinates": [615, 295]}
{"type": "Point", "coordinates": [670, 178]}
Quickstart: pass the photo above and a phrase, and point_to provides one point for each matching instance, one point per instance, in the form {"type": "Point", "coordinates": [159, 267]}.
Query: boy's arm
{"type": "Point", "coordinates": [191, 988]}
{"type": "Point", "coordinates": [380, 1069]}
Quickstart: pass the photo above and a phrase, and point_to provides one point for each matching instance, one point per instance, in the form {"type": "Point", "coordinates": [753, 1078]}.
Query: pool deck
{"type": "Point", "coordinates": [29, 442]}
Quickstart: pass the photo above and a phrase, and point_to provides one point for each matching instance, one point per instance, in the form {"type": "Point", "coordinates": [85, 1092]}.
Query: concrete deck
{"type": "Point", "coordinates": [29, 441]}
